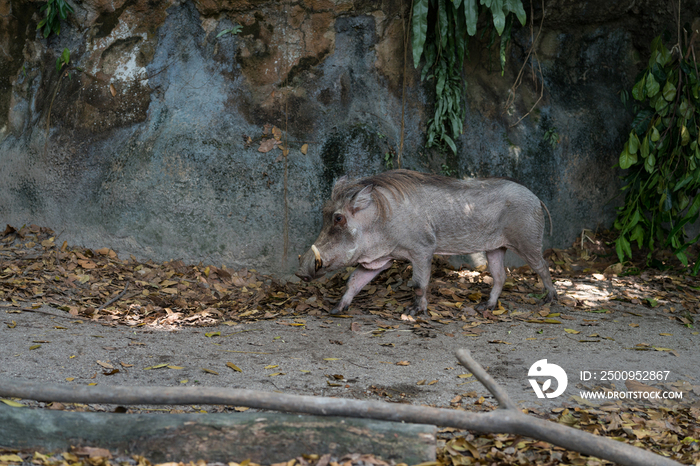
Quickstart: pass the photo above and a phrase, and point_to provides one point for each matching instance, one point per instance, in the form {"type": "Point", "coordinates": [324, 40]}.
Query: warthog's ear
{"type": "Point", "coordinates": [363, 199]}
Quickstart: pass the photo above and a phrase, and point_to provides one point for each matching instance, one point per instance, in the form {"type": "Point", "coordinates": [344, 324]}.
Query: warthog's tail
{"type": "Point", "coordinates": [550, 218]}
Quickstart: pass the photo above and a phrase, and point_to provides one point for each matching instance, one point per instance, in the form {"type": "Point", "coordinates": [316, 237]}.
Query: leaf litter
{"type": "Point", "coordinates": [38, 271]}
{"type": "Point", "coordinates": [99, 286]}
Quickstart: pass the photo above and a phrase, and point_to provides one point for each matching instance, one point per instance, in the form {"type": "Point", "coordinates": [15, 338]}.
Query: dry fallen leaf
{"type": "Point", "coordinates": [233, 366]}
{"type": "Point", "coordinates": [14, 404]}
{"type": "Point", "coordinates": [92, 452]}
{"type": "Point", "coordinates": [267, 145]}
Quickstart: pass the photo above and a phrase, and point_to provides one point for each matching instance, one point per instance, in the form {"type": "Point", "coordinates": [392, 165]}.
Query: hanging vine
{"type": "Point", "coordinates": [662, 154]}
{"type": "Point", "coordinates": [440, 31]}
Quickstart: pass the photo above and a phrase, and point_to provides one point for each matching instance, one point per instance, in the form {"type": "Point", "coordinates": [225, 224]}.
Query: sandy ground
{"type": "Point", "coordinates": [356, 357]}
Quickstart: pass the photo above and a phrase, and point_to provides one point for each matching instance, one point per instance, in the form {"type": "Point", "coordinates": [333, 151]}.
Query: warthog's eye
{"type": "Point", "coordinates": [339, 219]}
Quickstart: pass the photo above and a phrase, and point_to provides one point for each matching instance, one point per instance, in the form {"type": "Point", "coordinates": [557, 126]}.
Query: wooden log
{"type": "Point", "coordinates": [264, 438]}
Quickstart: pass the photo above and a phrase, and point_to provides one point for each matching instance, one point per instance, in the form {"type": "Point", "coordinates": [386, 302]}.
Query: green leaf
{"type": "Point", "coordinates": [685, 181]}
{"type": "Point", "coordinates": [471, 13]}
{"type": "Point", "coordinates": [633, 143]}
{"type": "Point", "coordinates": [621, 247]}
{"type": "Point", "coordinates": [505, 38]}
{"type": "Point", "coordinates": [444, 25]}
{"type": "Point", "coordinates": [663, 56]}
{"type": "Point", "coordinates": [499, 18]}
{"type": "Point", "coordinates": [659, 73]}
{"type": "Point", "coordinates": [65, 56]}
{"type": "Point", "coordinates": [638, 235]}
{"type": "Point", "coordinates": [686, 109]}
{"type": "Point", "coordinates": [450, 143]}
{"type": "Point", "coordinates": [682, 257]}
{"type": "Point", "coordinates": [644, 148]}
{"type": "Point", "coordinates": [641, 121]}
{"type": "Point", "coordinates": [456, 126]}
{"type": "Point", "coordinates": [655, 134]}
{"type": "Point", "coordinates": [696, 267]}
{"type": "Point", "coordinates": [649, 163]}
{"type": "Point", "coordinates": [627, 159]}
{"type": "Point", "coordinates": [669, 91]}
{"type": "Point", "coordinates": [627, 248]}
{"type": "Point", "coordinates": [419, 28]}
{"type": "Point", "coordinates": [666, 203]}
{"type": "Point", "coordinates": [440, 85]}
{"type": "Point", "coordinates": [638, 89]}
{"type": "Point", "coordinates": [652, 86]}
{"type": "Point", "coordinates": [685, 136]}
{"type": "Point", "coordinates": [430, 56]}
{"type": "Point", "coordinates": [660, 104]}
{"type": "Point", "coordinates": [680, 226]}
{"type": "Point", "coordinates": [516, 6]}
{"type": "Point", "coordinates": [633, 221]}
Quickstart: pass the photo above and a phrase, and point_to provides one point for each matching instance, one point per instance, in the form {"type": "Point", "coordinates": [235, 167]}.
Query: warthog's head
{"type": "Point", "coordinates": [346, 218]}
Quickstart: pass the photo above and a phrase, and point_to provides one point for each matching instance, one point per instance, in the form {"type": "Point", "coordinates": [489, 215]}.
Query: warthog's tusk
{"type": "Point", "coordinates": [318, 263]}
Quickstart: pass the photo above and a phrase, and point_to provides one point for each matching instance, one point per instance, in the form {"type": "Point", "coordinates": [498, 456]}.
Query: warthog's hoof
{"type": "Point", "coordinates": [551, 297]}
{"type": "Point", "coordinates": [414, 310]}
{"type": "Point", "coordinates": [484, 306]}
{"type": "Point", "coordinates": [337, 310]}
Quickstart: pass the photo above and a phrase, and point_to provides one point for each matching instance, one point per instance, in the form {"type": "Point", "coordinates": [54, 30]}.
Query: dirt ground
{"type": "Point", "coordinates": [356, 357]}
{"type": "Point", "coordinates": [175, 325]}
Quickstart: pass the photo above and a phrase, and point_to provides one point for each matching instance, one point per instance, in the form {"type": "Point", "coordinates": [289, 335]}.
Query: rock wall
{"type": "Point", "coordinates": [150, 142]}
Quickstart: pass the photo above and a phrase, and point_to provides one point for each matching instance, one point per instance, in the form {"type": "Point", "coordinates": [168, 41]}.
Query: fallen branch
{"type": "Point", "coordinates": [116, 298]}
{"type": "Point", "coordinates": [508, 418]}
{"type": "Point", "coordinates": [39, 311]}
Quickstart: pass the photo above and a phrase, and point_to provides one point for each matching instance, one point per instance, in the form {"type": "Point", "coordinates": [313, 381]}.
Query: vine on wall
{"type": "Point", "coordinates": [662, 154]}
{"type": "Point", "coordinates": [440, 32]}
{"type": "Point", "coordinates": [54, 12]}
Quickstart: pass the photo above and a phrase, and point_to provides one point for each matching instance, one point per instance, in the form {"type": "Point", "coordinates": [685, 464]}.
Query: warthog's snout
{"type": "Point", "coordinates": [309, 264]}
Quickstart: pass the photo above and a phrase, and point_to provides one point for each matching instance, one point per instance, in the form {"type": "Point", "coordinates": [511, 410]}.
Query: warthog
{"type": "Point", "coordinates": [406, 215]}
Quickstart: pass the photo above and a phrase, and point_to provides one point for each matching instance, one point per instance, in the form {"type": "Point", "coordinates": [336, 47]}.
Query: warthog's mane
{"type": "Point", "coordinates": [399, 183]}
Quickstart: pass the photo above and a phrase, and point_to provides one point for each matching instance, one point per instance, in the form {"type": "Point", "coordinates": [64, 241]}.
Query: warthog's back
{"type": "Point", "coordinates": [465, 216]}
